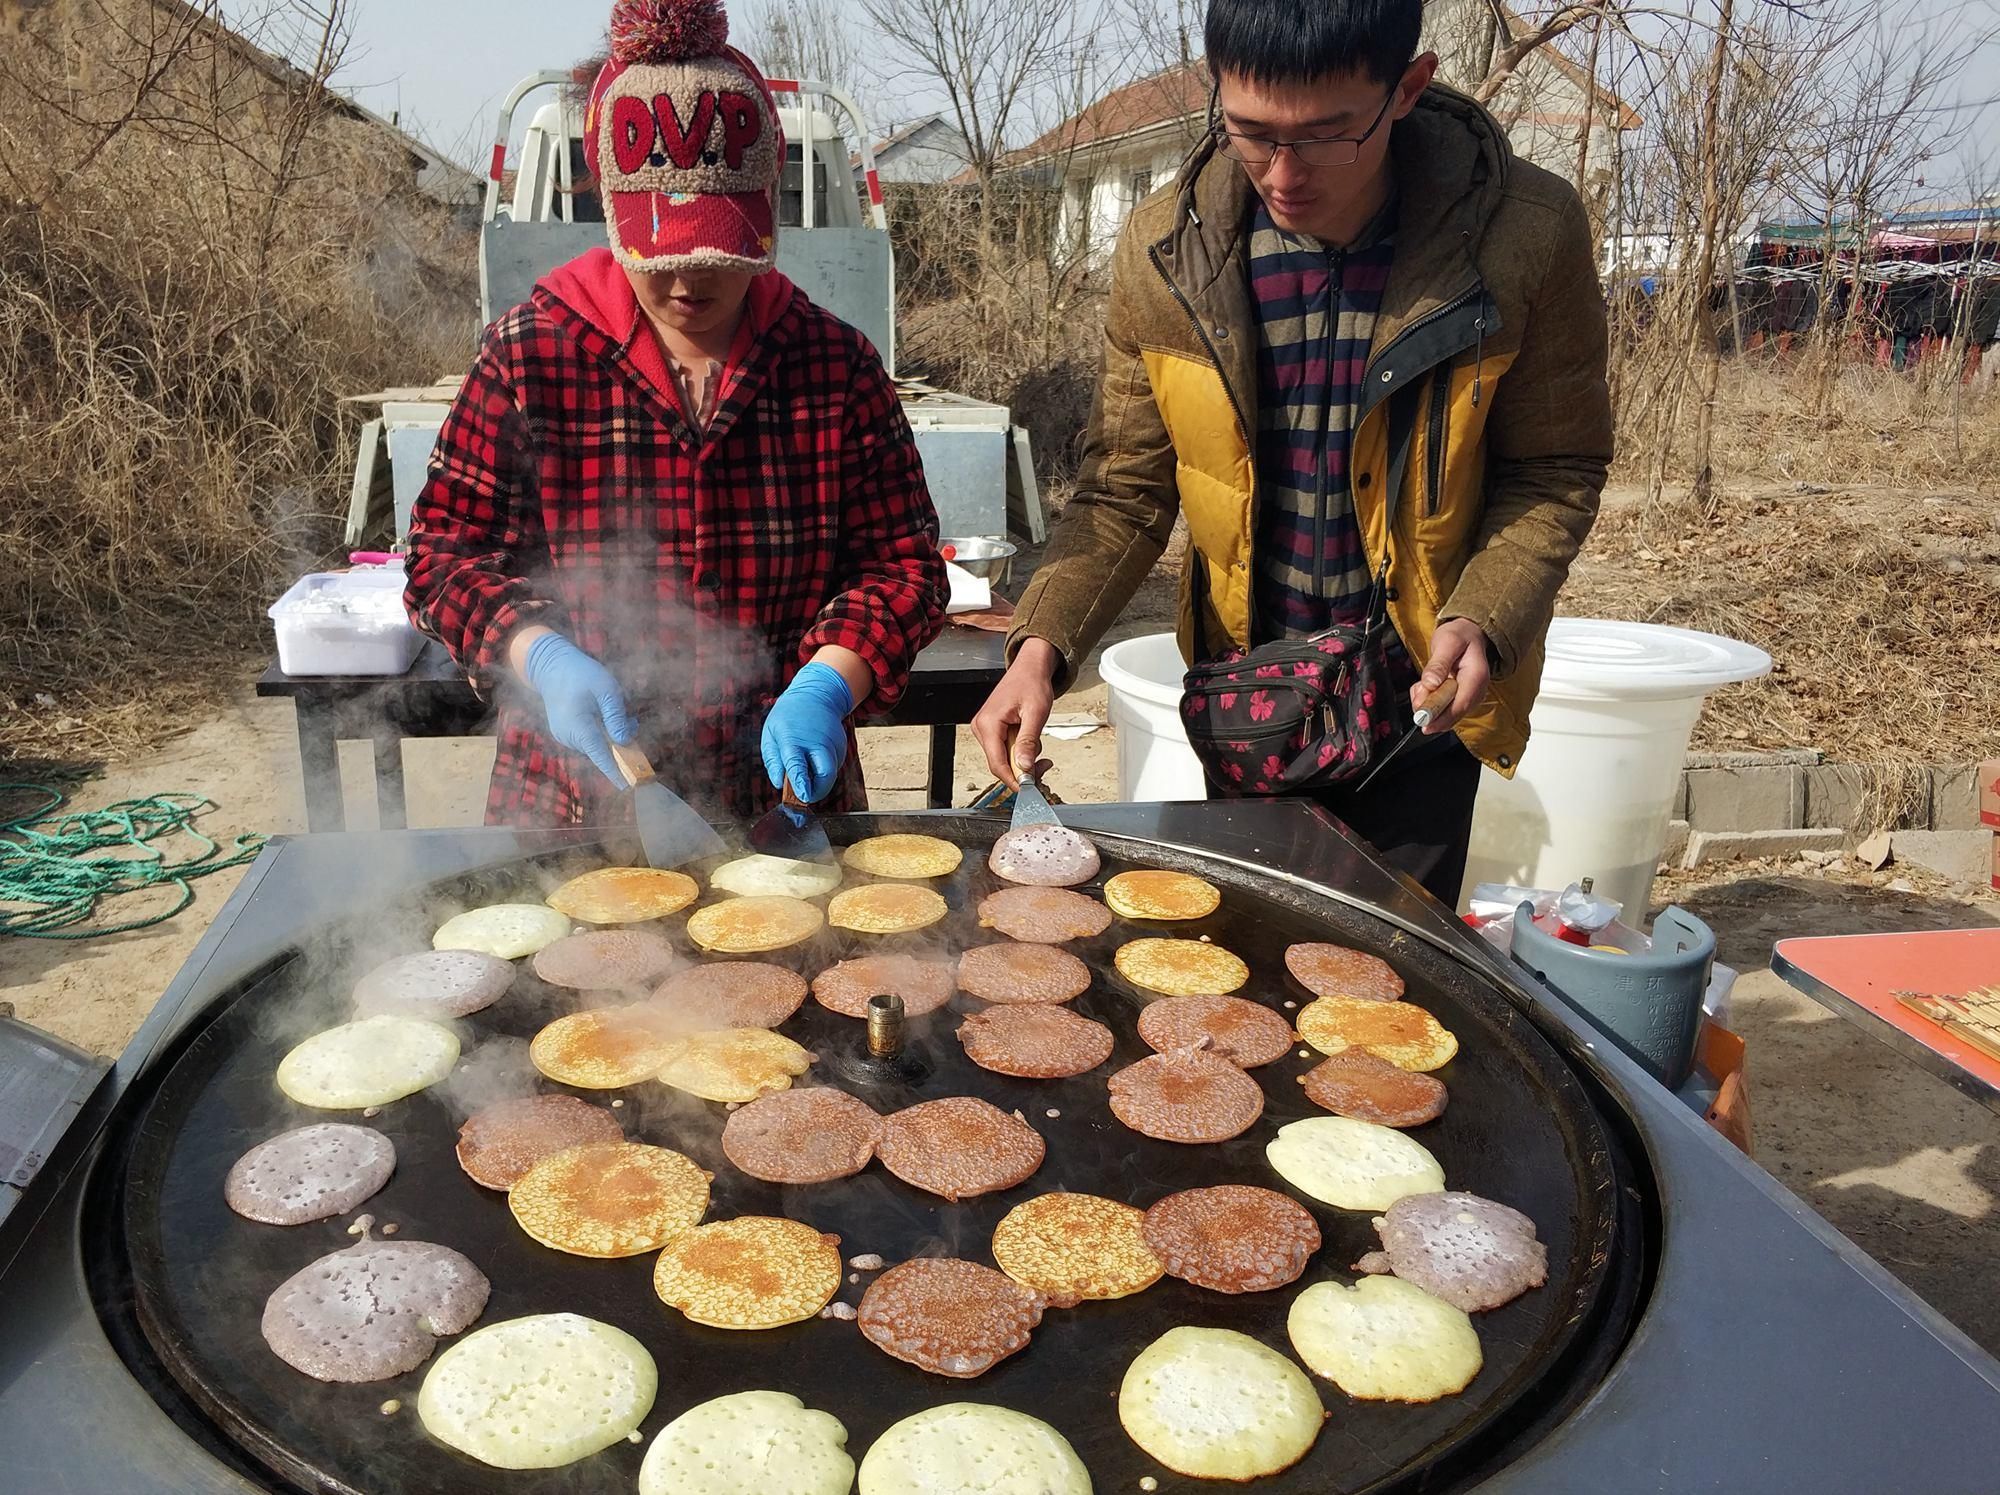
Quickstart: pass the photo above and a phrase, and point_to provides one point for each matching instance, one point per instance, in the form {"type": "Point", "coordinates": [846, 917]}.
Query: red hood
{"type": "Point", "coordinates": [594, 288]}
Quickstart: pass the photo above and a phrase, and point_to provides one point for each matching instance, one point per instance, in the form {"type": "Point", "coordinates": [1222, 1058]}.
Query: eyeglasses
{"type": "Point", "coordinates": [1255, 150]}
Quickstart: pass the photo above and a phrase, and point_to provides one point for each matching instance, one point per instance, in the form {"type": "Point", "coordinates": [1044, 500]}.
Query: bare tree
{"type": "Point", "coordinates": [805, 39]}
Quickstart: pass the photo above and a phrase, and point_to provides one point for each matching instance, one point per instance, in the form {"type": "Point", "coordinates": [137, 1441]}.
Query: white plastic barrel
{"type": "Point", "coordinates": [1596, 786]}
{"type": "Point", "coordinates": [1143, 676]}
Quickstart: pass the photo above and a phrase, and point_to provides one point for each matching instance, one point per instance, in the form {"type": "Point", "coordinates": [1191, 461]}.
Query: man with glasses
{"type": "Point", "coordinates": [1360, 347]}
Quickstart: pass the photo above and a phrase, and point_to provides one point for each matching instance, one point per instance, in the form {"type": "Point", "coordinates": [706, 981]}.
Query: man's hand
{"type": "Point", "coordinates": [1458, 650]}
{"type": "Point", "coordinates": [1009, 726]}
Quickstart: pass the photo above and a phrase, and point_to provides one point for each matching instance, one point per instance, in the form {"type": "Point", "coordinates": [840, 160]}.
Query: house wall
{"type": "Point", "coordinates": [936, 153]}
{"type": "Point", "coordinates": [1103, 187]}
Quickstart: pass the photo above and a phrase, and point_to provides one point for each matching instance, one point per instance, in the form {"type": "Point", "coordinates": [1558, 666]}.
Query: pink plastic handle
{"type": "Point", "coordinates": [373, 558]}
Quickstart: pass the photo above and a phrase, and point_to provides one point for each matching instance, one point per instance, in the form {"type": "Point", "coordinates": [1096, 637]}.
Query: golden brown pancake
{"type": "Point", "coordinates": [753, 1272]}
{"type": "Point", "coordinates": [1401, 1032]}
{"type": "Point", "coordinates": [1069, 1247]}
{"type": "Point", "coordinates": [909, 857]}
{"type": "Point", "coordinates": [1181, 968]}
{"type": "Point", "coordinates": [1162, 896]}
{"type": "Point", "coordinates": [747, 926]}
{"type": "Point", "coordinates": [604, 1050]}
{"type": "Point", "coordinates": [734, 1064]}
{"type": "Point", "coordinates": [609, 1199]}
{"type": "Point", "coordinates": [886, 908]}
{"type": "Point", "coordinates": [624, 895]}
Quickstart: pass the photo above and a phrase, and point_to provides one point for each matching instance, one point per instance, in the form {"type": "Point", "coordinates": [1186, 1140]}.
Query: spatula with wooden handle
{"type": "Point", "coordinates": [670, 833]}
{"type": "Point", "coordinates": [792, 831]}
{"type": "Point", "coordinates": [1435, 705]}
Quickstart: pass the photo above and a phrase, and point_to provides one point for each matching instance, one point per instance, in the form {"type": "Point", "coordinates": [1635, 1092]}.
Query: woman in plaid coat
{"type": "Point", "coordinates": [675, 502]}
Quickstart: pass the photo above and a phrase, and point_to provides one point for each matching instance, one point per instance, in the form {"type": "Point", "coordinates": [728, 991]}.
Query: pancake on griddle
{"type": "Point", "coordinates": [1186, 1096]}
{"type": "Point", "coordinates": [1043, 916]}
{"type": "Point", "coordinates": [1035, 1043]}
{"type": "Point", "coordinates": [1245, 1033]}
{"type": "Point", "coordinates": [1069, 1247]}
{"type": "Point", "coordinates": [949, 1317]}
{"type": "Point", "coordinates": [607, 960]}
{"type": "Point", "coordinates": [1382, 1339]}
{"type": "Point", "coordinates": [506, 931]}
{"type": "Point", "coordinates": [1044, 856]}
{"type": "Point", "coordinates": [434, 984]}
{"type": "Point", "coordinates": [753, 1272]}
{"type": "Point", "coordinates": [625, 895]}
{"type": "Point", "coordinates": [368, 1062]}
{"type": "Point", "coordinates": [1336, 971]}
{"type": "Point", "coordinates": [608, 1199]}
{"type": "Point", "coordinates": [1471, 1252]}
{"type": "Point", "coordinates": [372, 1311]}
{"type": "Point", "coordinates": [1215, 1404]}
{"type": "Point", "coordinates": [762, 876]}
{"type": "Point", "coordinates": [1181, 968]}
{"type": "Point", "coordinates": [1368, 1088]}
{"type": "Point", "coordinates": [1401, 1032]}
{"type": "Point", "coordinates": [499, 1144]}
{"type": "Point", "coordinates": [749, 926]}
{"type": "Point", "coordinates": [731, 994]}
{"type": "Point", "coordinates": [749, 1443]}
{"type": "Point", "coordinates": [1232, 1238]}
{"type": "Point", "coordinates": [959, 1146]}
{"type": "Point", "coordinates": [1164, 897]}
{"type": "Point", "coordinates": [907, 857]}
{"type": "Point", "coordinates": [1352, 1164]}
{"type": "Point", "coordinates": [923, 985]}
{"type": "Point", "coordinates": [886, 908]}
{"type": "Point", "coordinates": [734, 1064]}
{"type": "Point", "coordinates": [802, 1136]}
{"type": "Point", "coordinates": [538, 1392]}
{"type": "Point", "coordinates": [968, 1448]}
{"type": "Point", "coordinates": [309, 1173]}
{"type": "Point", "coordinates": [605, 1050]}
{"type": "Point", "coordinates": [1013, 972]}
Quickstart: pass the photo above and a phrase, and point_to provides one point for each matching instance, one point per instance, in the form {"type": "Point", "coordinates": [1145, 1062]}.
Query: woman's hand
{"type": "Point", "coordinates": [582, 702]}
{"type": "Point", "coordinates": [805, 736]}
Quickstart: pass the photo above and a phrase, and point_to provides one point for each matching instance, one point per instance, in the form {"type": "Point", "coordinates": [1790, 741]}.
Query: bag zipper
{"type": "Point", "coordinates": [1434, 445]}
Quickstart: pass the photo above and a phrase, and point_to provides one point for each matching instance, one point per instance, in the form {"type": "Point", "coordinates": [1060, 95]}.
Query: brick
{"type": "Point", "coordinates": [1707, 848]}
{"type": "Point", "coordinates": [1955, 798]}
{"type": "Point", "coordinates": [1764, 798]}
{"type": "Point", "coordinates": [1962, 856]}
{"type": "Point", "coordinates": [1783, 758]}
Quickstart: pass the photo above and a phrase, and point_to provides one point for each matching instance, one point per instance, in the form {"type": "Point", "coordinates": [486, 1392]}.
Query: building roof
{"type": "Point", "coordinates": [904, 136]}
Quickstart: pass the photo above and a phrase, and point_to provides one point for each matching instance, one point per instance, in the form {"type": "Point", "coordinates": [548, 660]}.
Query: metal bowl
{"type": "Point", "coordinates": [990, 560]}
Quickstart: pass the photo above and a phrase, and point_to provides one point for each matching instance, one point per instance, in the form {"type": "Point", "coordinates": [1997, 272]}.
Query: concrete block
{"type": "Point", "coordinates": [1681, 797]}
{"type": "Point", "coordinates": [1837, 797]}
{"type": "Point", "coordinates": [1677, 841]}
{"type": "Point", "coordinates": [1707, 848]}
{"type": "Point", "coordinates": [1769, 797]}
{"type": "Point", "coordinates": [1962, 856]}
{"type": "Point", "coordinates": [1955, 798]}
{"type": "Point", "coordinates": [1783, 758]}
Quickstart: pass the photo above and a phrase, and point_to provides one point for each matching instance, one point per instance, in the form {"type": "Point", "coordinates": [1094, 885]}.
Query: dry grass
{"type": "Point", "coordinates": [179, 316]}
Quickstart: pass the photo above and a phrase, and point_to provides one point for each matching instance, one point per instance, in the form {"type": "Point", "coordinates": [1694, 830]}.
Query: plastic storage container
{"type": "Point", "coordinates": [1596, 786]}
{"type": "Point", "coordinates": [1143, 676]}
{"type": "Point", "coordinates": [346, 623]}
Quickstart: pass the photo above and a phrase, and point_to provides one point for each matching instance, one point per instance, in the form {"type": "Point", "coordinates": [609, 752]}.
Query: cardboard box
{"type": "Point", "coordinates": [1989, 793]}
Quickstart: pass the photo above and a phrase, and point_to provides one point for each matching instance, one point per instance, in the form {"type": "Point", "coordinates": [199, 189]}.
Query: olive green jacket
{"type": "Point", "coordinates": [1484, 410]}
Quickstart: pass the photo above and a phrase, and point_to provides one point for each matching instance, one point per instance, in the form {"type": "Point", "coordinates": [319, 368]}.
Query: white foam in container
{"type": "Point", "coordinates": [346, 623]}
{"type": "Point", "coordinates": [1143, 679]}
{"type": "Point", "coordinates": [1596, 785]}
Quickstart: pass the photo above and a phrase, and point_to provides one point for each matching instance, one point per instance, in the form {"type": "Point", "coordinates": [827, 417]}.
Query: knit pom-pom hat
{"type": "Point", "coordinates": [682, 136]}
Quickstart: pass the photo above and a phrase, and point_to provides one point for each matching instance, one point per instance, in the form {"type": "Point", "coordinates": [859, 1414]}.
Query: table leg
{"type": "Point", "coordinates": [390, 809]}
{"type": "Point", "coordinates": [319, 762]}
{"type": "Point", "coordinates": [944, 766]}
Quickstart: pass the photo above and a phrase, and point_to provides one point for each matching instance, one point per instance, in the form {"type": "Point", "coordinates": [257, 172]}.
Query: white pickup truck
{"type": "Point", "coordinates": [834, 245]}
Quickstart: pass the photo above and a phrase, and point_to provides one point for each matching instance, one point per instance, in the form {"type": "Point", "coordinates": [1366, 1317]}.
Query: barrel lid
{"type": "Point", "coordinates": [1598, 659]}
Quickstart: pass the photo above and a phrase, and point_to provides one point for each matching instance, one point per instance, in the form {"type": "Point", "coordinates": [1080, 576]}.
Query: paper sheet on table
{"type": "Point", "coordinates": [969, 593]}
{"type": "Point", "coordinates": [1067, 726]}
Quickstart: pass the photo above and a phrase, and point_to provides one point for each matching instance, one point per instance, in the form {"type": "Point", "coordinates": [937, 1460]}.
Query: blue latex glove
{"type": "Point", "coordinates": [583, 704]}
{"type": "Point", "coordinates": [805, 736]}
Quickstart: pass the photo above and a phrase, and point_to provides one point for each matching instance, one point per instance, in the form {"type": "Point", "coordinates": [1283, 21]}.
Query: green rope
{"type": "Point", "coordinates": [55, 869]}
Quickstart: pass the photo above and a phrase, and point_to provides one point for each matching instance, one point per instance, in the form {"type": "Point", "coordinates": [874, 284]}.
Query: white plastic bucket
{"type": "Point", "coordinates": [1596, 786]}
{"type": "Point", "coordinates": [1144, 677]}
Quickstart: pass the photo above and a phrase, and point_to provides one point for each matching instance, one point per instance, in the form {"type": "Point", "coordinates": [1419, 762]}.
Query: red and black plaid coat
{"type": "Point", "coordinates": [704, 569]}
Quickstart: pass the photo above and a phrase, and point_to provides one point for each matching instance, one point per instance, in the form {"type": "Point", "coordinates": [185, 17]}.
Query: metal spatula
{"type": "Point", "coordinates": [792, 831]}
{"type": "Point", "coordinates": [670, 833]}
{"type": "Point", "coordinates": [1031, 806]}
{"type": "Point", "coordinates": [1435, 705]}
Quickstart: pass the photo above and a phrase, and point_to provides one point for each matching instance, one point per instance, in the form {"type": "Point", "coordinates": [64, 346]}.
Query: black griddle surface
{"type": "Point", "coordinates": [1519, 1129]}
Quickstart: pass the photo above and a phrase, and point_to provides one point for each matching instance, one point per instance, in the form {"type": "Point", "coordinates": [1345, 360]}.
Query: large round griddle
{"type": "Point", "coordinates": [1519, 1129]}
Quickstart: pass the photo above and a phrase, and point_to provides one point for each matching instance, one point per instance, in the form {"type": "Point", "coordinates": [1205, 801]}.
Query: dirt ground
{"type": "Point", "coordinates": [1903, 1164]}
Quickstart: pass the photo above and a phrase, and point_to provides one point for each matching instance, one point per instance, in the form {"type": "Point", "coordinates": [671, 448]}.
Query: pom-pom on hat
{"type": "Point", "coordinates": [682, 136]}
